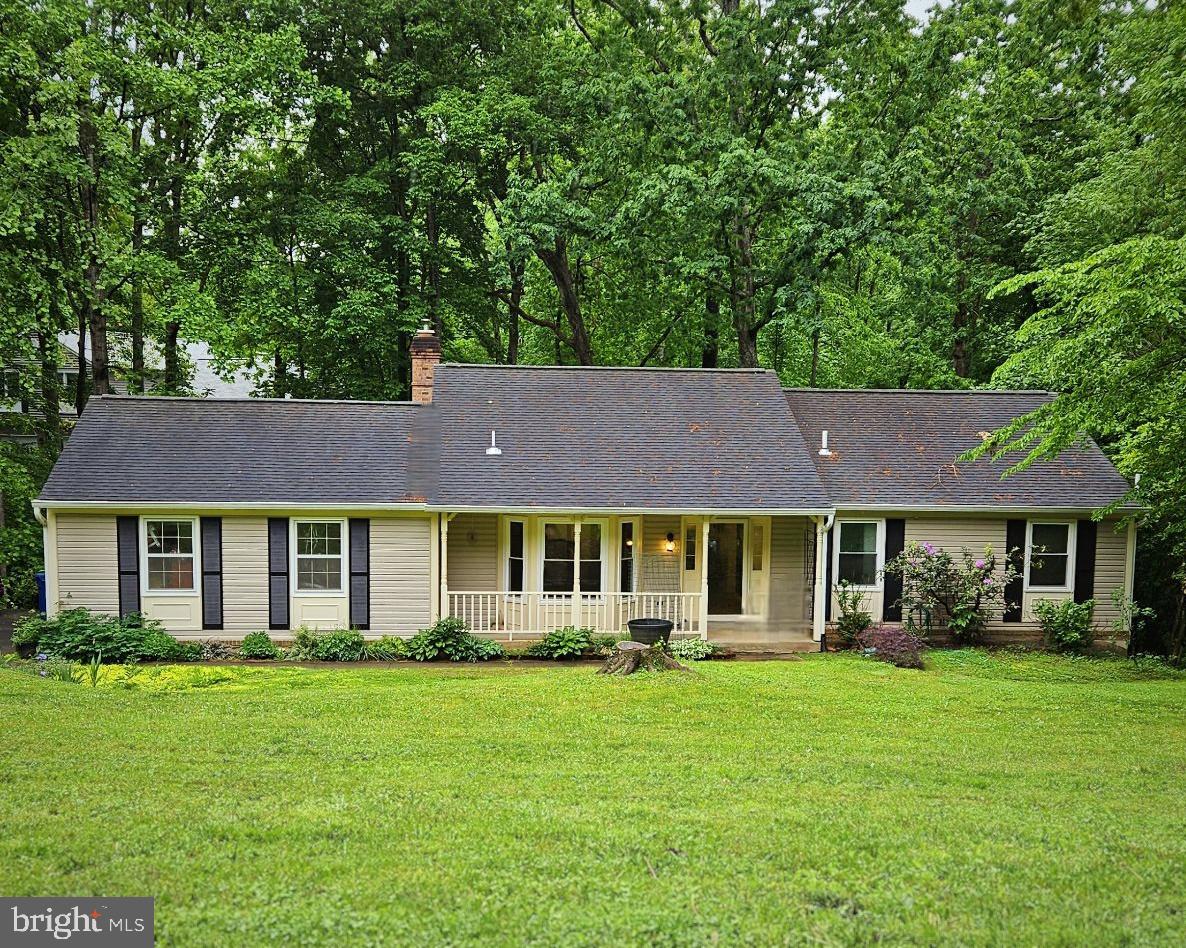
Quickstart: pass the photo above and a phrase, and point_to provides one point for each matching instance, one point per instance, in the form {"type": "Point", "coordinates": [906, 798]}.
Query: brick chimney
{"type": "Point", "coordinates": [426, 353]}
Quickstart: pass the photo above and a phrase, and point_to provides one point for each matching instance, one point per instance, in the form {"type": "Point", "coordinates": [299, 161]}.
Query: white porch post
{"type": "Point", "coordinates": [445, 518]}
{"type": "Point", "coordinates": [703, 577]}
{"type": "Point", "coordinates": [821, 590]}
{"type": "Point", "coordinates": [434, 569]}
{"type": "Point", "coordinates": [576, 574]}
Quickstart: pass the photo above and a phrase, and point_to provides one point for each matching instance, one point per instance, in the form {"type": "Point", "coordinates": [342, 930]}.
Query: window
{"type": "Point", "coordinates": [626, 557]}
{"type": "Point", "coordinates": [515, 556]}
{"type": "Point", "coordinates": [759, 545]}
{"type": "Point", "coordinates": [169, 555]}
{"type": "Point", "coordinates": [561, 558]}
{"type": "Point", "coordinates": [1050, 548]}
{"type": "Point", "coordinates": [856, 558]}
{"type": "Point", "coordinates": [690, 548]}
{"type": "Point", "coordinates": [68, 386]}
{"type": "Point", "coordinates": [319, 556]}
{"type": "Point", "coordinates": [10, 385]}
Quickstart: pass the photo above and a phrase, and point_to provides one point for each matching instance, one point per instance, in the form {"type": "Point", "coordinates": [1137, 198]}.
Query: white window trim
{"type": "Point", "coordinates": [636, 540]}
{"type": "Point", "coordinates": [746, 565]}
{"type": "Point", "coordinates": [292, 558]}
{"type": "Point", "coordinates": [1072, 536]}
{"type": "Point", "coordinates": [539, 573]}
{"type": "Point", "coordinates": [879, 551]}
{"type": "Point", "coordinates": [197, 541]}
{"type": "Point", "coordinates": [506, 556]}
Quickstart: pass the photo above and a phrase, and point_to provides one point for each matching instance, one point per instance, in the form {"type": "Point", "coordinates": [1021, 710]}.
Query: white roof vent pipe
{"type": "Point", "coordinates": [824, 450]}
{"type": "Point", "coordinates": [494, 448]}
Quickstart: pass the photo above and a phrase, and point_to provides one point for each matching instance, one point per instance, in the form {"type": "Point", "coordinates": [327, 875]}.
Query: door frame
{"type": "Point", "coordinates": [708, 523]}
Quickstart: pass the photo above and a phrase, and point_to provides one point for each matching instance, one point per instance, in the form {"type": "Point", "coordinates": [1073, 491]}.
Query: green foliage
{"type": "Point", "coordinates": [258, 645]}
{"type": "Point", "coordinates": [852, 620]}
{"type": "Point", "coordinates": [603, 645]}
{"type": "Point", "coordinates": [22, 470]}
{"type": "Point", "coordinates": [1066, 625]}
{"type": "Point", "coordinates": [695, 650]}
{"type": "Point", "coordinates": [215, 650]}
{"type": "Point", "coordinates": [389, 648]}
{"type": "Point", "coordinates": [450, 639]}
{"type": "Point", "coordinates": [568, 642]}
{"type": "Point", "coordinates": [941, 591]}
{"type": "Point", "coordinates": [82, 635]}
{"type": "Point", "coordinates": [336, 645]}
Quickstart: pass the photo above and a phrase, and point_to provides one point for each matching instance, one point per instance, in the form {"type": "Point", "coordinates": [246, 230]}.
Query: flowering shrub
{"type": "Point", "coordinates": [939, 590]}
{"type": "Point", "coordinates": [892, 644]}
{"type": "Point", "coordinates": [1066, 625]}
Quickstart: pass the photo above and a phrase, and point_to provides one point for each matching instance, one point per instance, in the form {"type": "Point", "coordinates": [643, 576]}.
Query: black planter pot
{"type": "Point", "coordinates": [650, 631]}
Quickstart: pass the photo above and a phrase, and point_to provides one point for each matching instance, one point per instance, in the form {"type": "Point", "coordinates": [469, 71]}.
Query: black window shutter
{"type": "Point", "coordinates": [1085, 560]}
{"type": "Point", "coordinates": [278, 572]}
{"type": "Point", "coordinates": [127, 536]}
{"type": "Point", "coordinates": [360, 573]}
{"type": "Point", "coordinates": [828, 576]}
{"type": "Point", "coordinates": [895, 543]}
{"type": "Point", "coordinates": [1015, 552]}
{"type": "Point", "coordinates": [211, 528]}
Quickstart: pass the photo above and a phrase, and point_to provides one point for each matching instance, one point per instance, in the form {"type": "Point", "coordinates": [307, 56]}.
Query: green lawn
{"type": "Point", "coordinates": [990, 799]}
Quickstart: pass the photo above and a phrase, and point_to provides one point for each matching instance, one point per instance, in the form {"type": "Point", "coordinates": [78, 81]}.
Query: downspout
{"type": "Point", "coordinates": [822, 526]}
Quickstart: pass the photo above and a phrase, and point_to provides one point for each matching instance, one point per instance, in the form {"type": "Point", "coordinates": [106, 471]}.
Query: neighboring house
{"type": "Point", "coordinates": [17, 410]}
{"type": "Point", "coordinates": [522, 499]}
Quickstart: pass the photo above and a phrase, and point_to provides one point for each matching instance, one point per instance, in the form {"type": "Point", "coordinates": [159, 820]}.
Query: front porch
{"type": "Point", "coordinates": [744, 581]}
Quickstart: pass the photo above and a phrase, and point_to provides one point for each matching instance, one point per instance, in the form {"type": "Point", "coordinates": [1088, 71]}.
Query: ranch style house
{"type": "Point", "coordinates": [523, 499]}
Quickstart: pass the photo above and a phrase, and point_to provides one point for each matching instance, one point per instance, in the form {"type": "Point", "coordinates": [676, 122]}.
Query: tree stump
{"type": "Point", "coordinates": [631, 657]}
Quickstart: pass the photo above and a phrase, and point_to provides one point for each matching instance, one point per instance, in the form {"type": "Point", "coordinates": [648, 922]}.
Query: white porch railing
{"type": "Point", "coordinates": [534, 613]}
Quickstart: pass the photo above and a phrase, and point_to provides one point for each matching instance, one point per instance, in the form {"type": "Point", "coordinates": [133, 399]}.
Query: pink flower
{"type": "Point", "coordinates": [988, 581]}
{"type": "Point", "coordinates": [979, 564]}
{"type": "Point", "coordinates": [929, 548]}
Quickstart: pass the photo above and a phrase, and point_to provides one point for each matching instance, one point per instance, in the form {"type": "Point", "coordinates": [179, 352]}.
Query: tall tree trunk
{"type": "Point", "coordinates": [172, 361]}
{"type": "Point", "coordinates": [137, 288]}
{"type": "Point", "coordinates": [432, 268]}
{"type": "Point", "coordinates": [279, 375]}
{"type": "Point", "coordinates": [81, 389]}
{"type": "Point", "coordinates": [88, 144]}
{"type": "Point", "coordinates": [814, 357]}
{"type": "Point", "coordinates": [744, 292]}
{"type": "Point", "coordinates": [173, 249]}
{"type": "Point", "coordinates": [961, 353]}
{"type": "Point", "coordinates": [556, 260]}
{"type": "Point", "coordinates": [49, 435]}
{"type": "Point", "coordinates": [710, 350]}
{"type": "Point", "coordinates": [517, 288]}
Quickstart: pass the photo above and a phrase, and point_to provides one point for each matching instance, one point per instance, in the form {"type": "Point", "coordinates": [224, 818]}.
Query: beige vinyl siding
{"type": "Point", "coordinates": [244, 576]}
{"type": "Point", "coordinates": [1111, 560]}
{"type": "Point", "coordinates": [88, 562]}
{"type": "Point", "coordinates": [473, 553]}
{"type": "Point", "coordinates": [400, 584]}
{"type": "Point", "coordinates": [790, 603]}
{"type": "Point", "coordinates": [660, 571]}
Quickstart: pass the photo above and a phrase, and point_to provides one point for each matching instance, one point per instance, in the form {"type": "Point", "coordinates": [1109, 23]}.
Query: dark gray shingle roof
{"type": "Point", "coordinates": [210, 451]}
{"type": "Point", "coordinates": [620, 438]}
{"type": "Point", "coordinates": [900, 448]}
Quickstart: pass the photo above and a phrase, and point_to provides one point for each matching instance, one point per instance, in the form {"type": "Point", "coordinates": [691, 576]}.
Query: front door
{"type": "Point", "coordinates": [726, 560]}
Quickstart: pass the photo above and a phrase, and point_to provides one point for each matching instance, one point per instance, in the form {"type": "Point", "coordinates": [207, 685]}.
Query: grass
{"type": "Point", "coordinates": [991, 799]}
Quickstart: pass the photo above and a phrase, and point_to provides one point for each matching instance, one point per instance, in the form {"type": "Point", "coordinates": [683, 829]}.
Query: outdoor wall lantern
{"type": "Point", "coordinates": [669, 546]}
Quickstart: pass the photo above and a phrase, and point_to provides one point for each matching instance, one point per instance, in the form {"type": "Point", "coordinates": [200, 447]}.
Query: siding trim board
{"type": "Point", "coordinates": [127, 541]}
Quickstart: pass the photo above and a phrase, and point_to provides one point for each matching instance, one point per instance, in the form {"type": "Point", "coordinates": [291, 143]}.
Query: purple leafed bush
{"type": "Point", "coordinates": [892, 644]}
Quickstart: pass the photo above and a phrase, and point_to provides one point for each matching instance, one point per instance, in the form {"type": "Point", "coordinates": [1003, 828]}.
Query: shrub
{"type": "Point", "coordinates": [852, 620]}
{"type": "Point", "coordinates": [569, 642]}
{"type": "Point", "coordinates": [893, 644]}
{"type": "Point", "coordinates": [1066, 625]}
{"type": "Point", "coordinates": [390, 648]}
{"type": "Point", "coordinates": [258, 645]}
{"type": "Point", "coordinates": [81, 635]}
{"type": "Point", "coordinates": [27, 631]}
{"type": "Point", "coordinates": [694, 650]}
{"type": "Point", "coordinates": [450, 639]}
{"type": "Point", "coordinates": [214, 650]}
{"type": "Point", "coordinates": [340, 645]}
{"type": "Point", "coordinates": [939, 590]}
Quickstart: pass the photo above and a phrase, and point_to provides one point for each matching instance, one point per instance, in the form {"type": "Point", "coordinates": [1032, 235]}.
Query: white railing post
{"type": "Point", "coordinates": [576, 574]}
